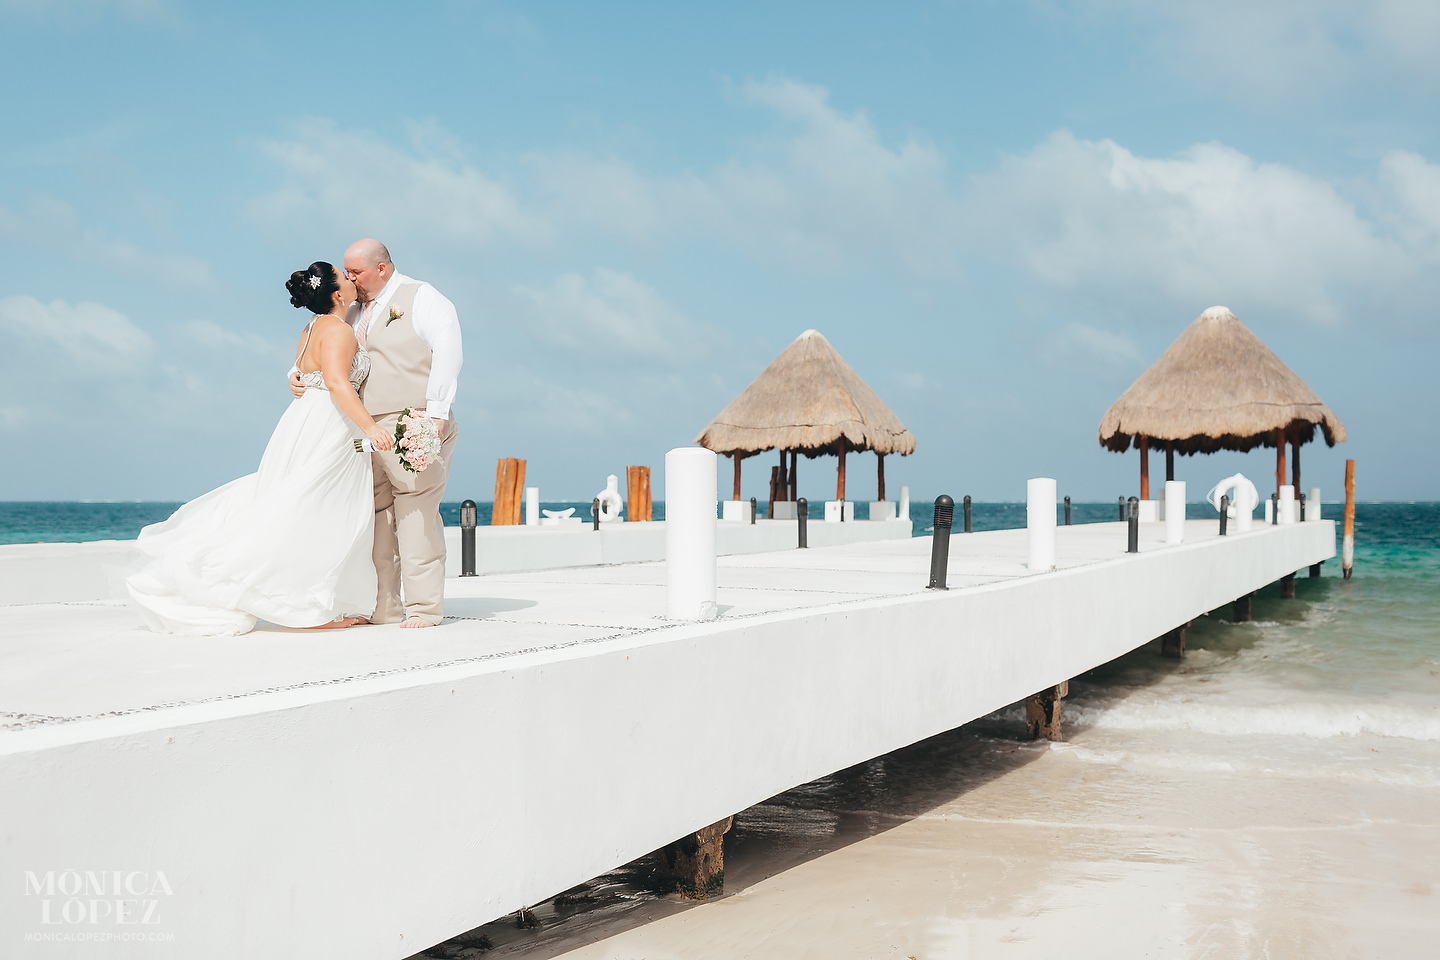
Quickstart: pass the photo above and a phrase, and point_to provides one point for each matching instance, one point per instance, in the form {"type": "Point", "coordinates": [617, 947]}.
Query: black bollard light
{"type": "Point", "coordinates": [1122, 509]}
{"type": "Point", "coordinates": [967, 511]}
{"type": "Point", "coordinates": [1274, 509]}
{"type": "Point", "coordinates": [1067, 511]}
{"type": "Point", "coordinates": [802, 515]}
{"type": "Point", "coordinates": [595, 513]}
{"type": "Point", "coordinates": [1224, 513]}
{"type": "Point", "coordinates": [1133, 509]}
{"type": "Point", "coordinates": [467, 538]}
{"type": "Point", "coordinates": [1300, 500]}
{"type": "Point", "coordinates": [940, 542]}
{"type": "Point", "coordinates": [752, 511]}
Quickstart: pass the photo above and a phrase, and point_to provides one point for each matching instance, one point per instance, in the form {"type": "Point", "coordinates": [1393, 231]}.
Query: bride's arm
{"type": "Point", "coordinates": [337, 351]}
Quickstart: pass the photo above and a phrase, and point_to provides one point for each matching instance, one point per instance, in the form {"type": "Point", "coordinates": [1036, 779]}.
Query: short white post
{"type": "Point", "coordinates": [690, 500]}
{"type": "Point", "coordinates": [1174, 511]}
{"type": "Point", "coordinates": [1040, 522]}
{"type": "Point", "coordinates": [1287, 504]}
{"type": "Point", "coordinates": [904, 512]}
{"type": "Point", "coordinates": [532, 506]}
{"type": "Point", "coordinates": [1312, 505]}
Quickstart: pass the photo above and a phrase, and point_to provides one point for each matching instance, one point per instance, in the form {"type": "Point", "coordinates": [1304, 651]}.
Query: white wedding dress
{"type": "Point", "coordinates": [290, 544]}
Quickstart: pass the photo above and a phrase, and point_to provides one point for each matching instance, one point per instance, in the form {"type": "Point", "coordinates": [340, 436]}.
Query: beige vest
{"type": "Point", "coordinates": [399, 359]}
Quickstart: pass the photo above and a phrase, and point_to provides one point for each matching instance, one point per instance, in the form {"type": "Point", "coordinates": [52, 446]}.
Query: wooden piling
{"type": "Point", "coordinates": [637, 488]}
{"type": "Point", "coordinates": [695, 865]}
{"type": "Point", "coordinates": [1347, 549]}
{"type": "Point", "coordinates": [1042, 713]}
{"type": "Point", "coordinates": [509, 504]}
{"type": "Point", "coordinates": [1287, 587]}
{"type": "Point", "coordinates": [1144, 467]}
{"type": "Point", "coordinates": [1172, 644]}
{"type": "Point", "coordinates": [1240, 612]}
{"type": "Point", "coordinates": [1315, 570]}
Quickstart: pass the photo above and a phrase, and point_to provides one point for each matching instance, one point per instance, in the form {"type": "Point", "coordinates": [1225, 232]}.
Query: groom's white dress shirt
{"type": "Point", "coordinates": [435, 322]}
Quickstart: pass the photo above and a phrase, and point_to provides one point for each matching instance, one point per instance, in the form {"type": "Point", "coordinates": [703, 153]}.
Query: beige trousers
{"type": "Point", "coordinates": [409, 537]}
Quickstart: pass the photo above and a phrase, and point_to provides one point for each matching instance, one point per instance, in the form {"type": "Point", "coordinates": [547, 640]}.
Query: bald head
{"type": "Point", "coordinates": [368, 265]}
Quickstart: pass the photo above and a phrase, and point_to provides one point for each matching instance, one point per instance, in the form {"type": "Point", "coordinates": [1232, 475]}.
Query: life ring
{"type": "Point", "coordinates": [610, 502]}
{"type": "Point", "coordinates": [1239, 488]}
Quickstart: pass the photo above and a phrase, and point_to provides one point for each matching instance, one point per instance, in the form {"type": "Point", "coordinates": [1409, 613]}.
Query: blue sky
{"type": "Point", "coordinates": [999, 213]}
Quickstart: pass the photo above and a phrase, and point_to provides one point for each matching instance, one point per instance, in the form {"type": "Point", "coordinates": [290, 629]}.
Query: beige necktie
{"type": "Point", "coordinates": [362, 328]}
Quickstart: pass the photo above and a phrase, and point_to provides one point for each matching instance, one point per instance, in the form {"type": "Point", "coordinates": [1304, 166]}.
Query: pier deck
{"type": "Point", "coordinates": [370, 792]}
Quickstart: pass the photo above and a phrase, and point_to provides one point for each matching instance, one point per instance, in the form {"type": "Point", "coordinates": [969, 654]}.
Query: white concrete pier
{"type": "Point", "coordinates": [370, 792]}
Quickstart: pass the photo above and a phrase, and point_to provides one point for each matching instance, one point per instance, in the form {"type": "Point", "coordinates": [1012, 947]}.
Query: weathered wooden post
{"type": "Point", "coordinates": [1144, 467]}
{"type": "Point", "coordinates": [1347, 548]}
{"type": "Point", "coordinates": [1169, 465]}
{"type": "Point", "coordinates": [1042, 712]}
{"type": "Point", "coordinates": [736, 457]}
{"type": "Point", "coordinates": [695, 865]}
{"type": "Point", "coordinates": [880, 477]}
{"type": "Point", "coordinates": [509, 492]}
{"type": "Point", "coordinates": [940, 542]}
{"type": "Point", "coordinates": [467, 538]}
{"type": "Point", "coordinates": [1240, 610]}
{"type": "Point", "coordinates": [1172, 644]}
{"type": "Point", "coordinates": [794, 484]}
{"type": "Point", "coordinates": [774, 489]}
{"type": "Point", "coordinates": [840, 478]}
{"type": "Point", "coordinates": [1287, 587]}
{"type": "Point", "coordinates": [639, 503]}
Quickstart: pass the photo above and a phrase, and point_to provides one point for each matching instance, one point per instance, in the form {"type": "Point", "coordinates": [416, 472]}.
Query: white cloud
{"type": "Point", "coordinates": [611, 315]}
{"type": "Point", "coordinates": [373, 187]}
{"type": "Point", "coordinates": [1283, 50]}
{"type": "Point", "coordinates": [88, 336]}
{"type": "Point", "coordinates": [1210, 225]}
{"type": "Point", "coordinates": [55, 225]}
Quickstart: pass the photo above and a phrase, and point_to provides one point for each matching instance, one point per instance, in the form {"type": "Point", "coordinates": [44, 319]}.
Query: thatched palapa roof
{"type": "Point", "coordinates": [1218, 388]}
{"type": "Point", "coordinates": [807, 400]}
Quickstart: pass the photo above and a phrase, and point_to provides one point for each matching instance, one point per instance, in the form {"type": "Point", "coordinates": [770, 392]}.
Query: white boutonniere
{"type": "Point", "coordinates": [394, 315]}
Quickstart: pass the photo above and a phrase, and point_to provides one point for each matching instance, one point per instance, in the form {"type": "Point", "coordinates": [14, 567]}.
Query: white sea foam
{"type": "Point", "coordinates": [1295, 719]}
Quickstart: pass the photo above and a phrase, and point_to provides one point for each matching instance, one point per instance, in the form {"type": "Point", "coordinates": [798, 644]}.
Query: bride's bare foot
{"type": "Point", "coordinates": [415, 622]}
{"type": "Point", "coordinates": [339, 624]}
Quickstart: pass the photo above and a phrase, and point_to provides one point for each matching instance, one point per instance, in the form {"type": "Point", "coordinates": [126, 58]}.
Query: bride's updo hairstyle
{"type": "Point", "coordinates": [313, 289]}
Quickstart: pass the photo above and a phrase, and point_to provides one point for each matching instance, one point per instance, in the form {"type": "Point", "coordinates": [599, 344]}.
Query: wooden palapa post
{"type": "Point", "coordinates": [1144, 467]}
{"type": "Point", "coordinates": [794, 483]}
{"type": "Point", "coordinates": [784, 482]}
{"type": "Point", "coordinates": [1295, 463]}
{"type": "Point", "coordinates": [840, 474]}
{"type": "Point", "coordinates": [880, 478]}
{"type": "Point", "coordinates": [736, 457]}
{"type": "Point", "coordinates": [1169, 459]}
{"type": "Point", "coordinates": [1279, 459]}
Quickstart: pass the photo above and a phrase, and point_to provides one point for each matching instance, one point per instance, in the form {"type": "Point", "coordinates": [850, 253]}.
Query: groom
{"type": "Point", "coordinates": [413, 337]}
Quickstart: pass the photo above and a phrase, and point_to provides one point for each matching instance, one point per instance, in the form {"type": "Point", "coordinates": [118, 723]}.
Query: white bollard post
{"type": "Point", "coordinates": [690, 500]}
{"type": "Point", "coordinates": [1287, 504]}
{"type": "Point", "coordinates": [1040, 522]}
{"type": "Point", "coordinates": [904, 512]}
{"type": "Point", "coordinates": [1174, 511]}
{"type": "Point", "coordinates": [532, 506]}
{"type": "Point", "coordinates": [1312, 505]}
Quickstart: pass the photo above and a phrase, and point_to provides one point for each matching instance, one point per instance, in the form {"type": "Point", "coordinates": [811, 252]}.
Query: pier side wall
{"type": "Point", "coordinates": [373, 819]}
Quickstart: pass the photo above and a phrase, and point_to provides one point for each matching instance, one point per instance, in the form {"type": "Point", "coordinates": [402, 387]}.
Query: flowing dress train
{"type": "Point", "coordinates": [290, 543]}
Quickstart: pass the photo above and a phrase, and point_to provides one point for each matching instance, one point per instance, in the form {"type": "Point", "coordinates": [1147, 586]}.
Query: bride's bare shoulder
{"type": "Point", "coordinates": [329, 326]}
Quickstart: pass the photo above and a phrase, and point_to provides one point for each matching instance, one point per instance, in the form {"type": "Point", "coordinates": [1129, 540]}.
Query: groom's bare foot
{"type": "Point", "coordinates": [416, 622]}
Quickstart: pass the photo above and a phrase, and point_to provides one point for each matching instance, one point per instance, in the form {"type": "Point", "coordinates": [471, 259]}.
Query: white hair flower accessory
{"type": "Point", "coordinates": [315, 282]}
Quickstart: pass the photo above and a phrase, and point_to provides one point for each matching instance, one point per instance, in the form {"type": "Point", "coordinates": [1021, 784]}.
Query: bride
{"type": "Point", "coordinates": [291, 543]}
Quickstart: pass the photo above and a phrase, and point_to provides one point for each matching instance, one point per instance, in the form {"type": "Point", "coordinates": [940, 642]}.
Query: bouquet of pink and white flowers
{"type": "Point", "coordinates": [417, 441]}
